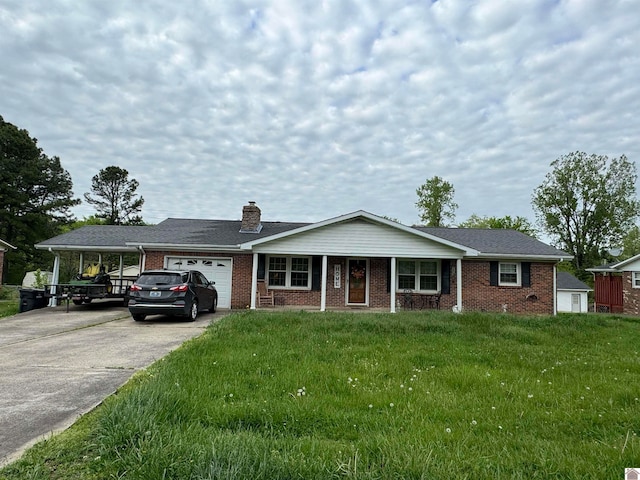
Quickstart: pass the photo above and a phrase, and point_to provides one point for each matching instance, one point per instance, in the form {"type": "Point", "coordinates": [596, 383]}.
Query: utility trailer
{"type": "Point", "coordinates": [84, 290]}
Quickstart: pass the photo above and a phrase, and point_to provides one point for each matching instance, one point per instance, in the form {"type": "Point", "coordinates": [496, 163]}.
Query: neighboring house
{"type": "Point", "coordinates": [572, 293]}
{"type": "Point", "coordinates": [617, 286]}
{"type": "Point", "coordinates": [4, 247]}
{"type": "Point", "coordinates": [356, 260]}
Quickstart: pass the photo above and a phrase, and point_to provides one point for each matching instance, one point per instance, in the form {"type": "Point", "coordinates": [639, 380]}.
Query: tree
{"type": "Point", "coordinates": [586, 204]}
{"type": "Point", "coordinates": [518, 223]}
{"type": "Point", "coordinates": [114, 198]}
{"type": "Point", "coordinates": [630, 244]}
{"type": "Point", "coordinates": [435, 202]}
{"type": "Point", "coordinates": [35, 199]}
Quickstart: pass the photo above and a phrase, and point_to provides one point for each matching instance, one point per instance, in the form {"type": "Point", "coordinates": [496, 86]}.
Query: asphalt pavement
{"type": "Point", "coordinates": [57, 365]}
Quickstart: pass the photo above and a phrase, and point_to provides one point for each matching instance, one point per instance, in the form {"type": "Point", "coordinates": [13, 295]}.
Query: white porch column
{"type": "Point", "coordinates": [459, 284]}
{"type": "Point", "coordinates": [323, 293]}
{"type": "Point", "coordinates": [555, 291]}
{"type": "Point", "coordinates": [55, 280]}
{"type": "Point", "coordinates": [392, 287]}
{"type": "Point", "coordinates": [81, 265]}
{"type": "Point", "coordinates": [254, 281]}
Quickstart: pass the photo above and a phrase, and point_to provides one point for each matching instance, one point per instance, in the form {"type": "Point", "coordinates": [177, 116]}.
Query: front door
{"type": "Point", "coordinates": [358, 275]}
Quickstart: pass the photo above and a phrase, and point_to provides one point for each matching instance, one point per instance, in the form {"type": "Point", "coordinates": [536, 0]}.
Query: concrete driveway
{"type": "Point", "coordinates": [58, 365]}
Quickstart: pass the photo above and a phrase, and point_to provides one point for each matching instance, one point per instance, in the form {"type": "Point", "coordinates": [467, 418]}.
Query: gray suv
{"type": "Point", "coordinates": [181, 293]}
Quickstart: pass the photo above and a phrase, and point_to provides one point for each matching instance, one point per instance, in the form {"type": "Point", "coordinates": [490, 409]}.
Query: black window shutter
{"type": "Point", "coordinates": [316, 273]}
{"type": "Point", "coordinates": [262, 260]}
{"type": "Point", "coordinates": [526, 274]}
{"type": "Point", "coordinates": [445, 279]}
{"type": "Point", "coordinates": [493, 274]}
{"type": "Point", "coordinates": [388, 275]}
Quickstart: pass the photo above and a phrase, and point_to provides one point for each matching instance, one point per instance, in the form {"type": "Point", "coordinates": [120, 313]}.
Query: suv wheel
{"type": "Point", "coordinates": [214, 305]}
{"type": "Point", "coordinates": [193, 313]}
{"type": "Point", "coordinates": [139, 317]}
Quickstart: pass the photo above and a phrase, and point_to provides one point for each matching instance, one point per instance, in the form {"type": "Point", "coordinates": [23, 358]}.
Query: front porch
{"type": "Point", "coordinates": [353, 283]}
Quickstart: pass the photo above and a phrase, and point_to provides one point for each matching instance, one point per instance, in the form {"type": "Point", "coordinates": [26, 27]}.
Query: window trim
{"type": "Point", "coordinates": [417, 274]}
{"type": "Point", "coordinates": [518, 282]}
{"type": "Point", "coordinates": [287, 283]}
{"type": "Point", "coordinates": [635, 279]}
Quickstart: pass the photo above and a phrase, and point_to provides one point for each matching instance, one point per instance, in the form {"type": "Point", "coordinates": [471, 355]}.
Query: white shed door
{"type": "Point", "coordinates": [575, 302]}
{"type": "Point", "coordinates": [216, 270]}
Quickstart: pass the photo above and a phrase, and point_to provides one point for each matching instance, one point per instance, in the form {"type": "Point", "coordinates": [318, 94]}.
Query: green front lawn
{"type": "Point", "coordinates": [340, 395]}
{"type": "Point", "coordinates": [9, 301]}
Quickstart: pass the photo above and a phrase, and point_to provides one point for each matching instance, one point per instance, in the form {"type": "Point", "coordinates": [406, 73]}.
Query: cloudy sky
{"type": "Point", "coordinates": [318, 108]}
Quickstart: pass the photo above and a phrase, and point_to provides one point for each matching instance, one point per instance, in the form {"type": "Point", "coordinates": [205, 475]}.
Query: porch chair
{"type": "Point", "coordinates": [265, 298]}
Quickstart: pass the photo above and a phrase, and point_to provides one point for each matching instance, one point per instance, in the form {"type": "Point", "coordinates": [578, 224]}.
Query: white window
{"type": "Point", "coordinates": [289, 272]}
{"type": "Point", "coordinates": [419, 275]}
{"type": "Point", "coordinates": [635, 279]}
{"type": "Point", "coordinates": [509, 274]}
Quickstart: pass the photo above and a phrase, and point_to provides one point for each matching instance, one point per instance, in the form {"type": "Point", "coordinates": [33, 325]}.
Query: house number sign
{"type": "Point", "coordinates": [336, 275]}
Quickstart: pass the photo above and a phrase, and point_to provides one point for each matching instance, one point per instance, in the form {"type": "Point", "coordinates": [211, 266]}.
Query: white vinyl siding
{"type": "Point", "coordinates": [359, 238]}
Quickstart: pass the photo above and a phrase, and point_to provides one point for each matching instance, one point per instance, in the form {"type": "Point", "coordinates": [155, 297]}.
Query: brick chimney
{"type": "Point", "coordinates": [250, 219]}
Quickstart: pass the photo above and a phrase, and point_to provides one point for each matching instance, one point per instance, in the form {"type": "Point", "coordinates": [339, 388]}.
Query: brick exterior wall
{"type": "Point", "coordinates": [631, 296]}
{"type": "Point", "coordinates": [477, 294]}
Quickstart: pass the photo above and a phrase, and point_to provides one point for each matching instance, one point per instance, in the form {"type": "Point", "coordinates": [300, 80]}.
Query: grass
{"type": "Point", "coordinates": [9, 301]}
{"type": "Point", "coordinates": [367, 396]}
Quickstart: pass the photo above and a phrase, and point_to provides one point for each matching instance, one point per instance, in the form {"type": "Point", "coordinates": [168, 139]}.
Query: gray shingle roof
{"type": "Point", "coordinates": [112, 236]}
{"type": "Point", "coordinates": [175, 231]}
{"type": "Point", "coordinates": [566, 281]}
{"type": "Point", "coordinates": [495, 241]}
{"type": "Point", "coordinates": [226, 233]}
{"type": "Point", "coordinates": [213, 232]}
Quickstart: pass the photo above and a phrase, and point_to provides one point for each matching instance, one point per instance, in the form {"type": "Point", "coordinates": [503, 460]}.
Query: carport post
{"type": "Point", "coordinates": [323, 294]}
{"type": "Point", "coordinates": [56, 278]}
{"type": "Point", "coordinates": [393, 285]}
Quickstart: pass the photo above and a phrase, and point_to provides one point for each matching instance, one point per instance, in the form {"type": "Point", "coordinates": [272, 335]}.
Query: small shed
{"type": "Point", "coordinates": [572, 293]}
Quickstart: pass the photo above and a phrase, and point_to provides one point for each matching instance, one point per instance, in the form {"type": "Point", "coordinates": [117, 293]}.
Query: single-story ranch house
{"type": "Point", "coordinates": [357, 260]}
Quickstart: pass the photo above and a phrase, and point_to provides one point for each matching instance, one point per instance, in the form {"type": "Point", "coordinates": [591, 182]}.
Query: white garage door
{"type": "Point", "coordinates": [216, 270]}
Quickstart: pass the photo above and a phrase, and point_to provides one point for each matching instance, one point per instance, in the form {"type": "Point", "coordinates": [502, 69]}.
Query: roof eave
{"type": "Point", "coordinates": [6, 245]}
{"type": "Point", "coordinates": [85, 248]}
{"type": "Point", "coordinates": [175, 247]}
{"type": "Point", "coordinates": [525, 256]}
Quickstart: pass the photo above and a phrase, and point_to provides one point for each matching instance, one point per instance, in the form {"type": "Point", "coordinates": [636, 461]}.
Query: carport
{"type": "Point", "coordinates": [92, 241]}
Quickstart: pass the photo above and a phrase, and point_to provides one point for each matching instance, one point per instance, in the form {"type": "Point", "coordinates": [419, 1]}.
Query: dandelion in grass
{"type": "Point", "coordinates": [474, 423]}
{"type": "Point", "coordinates": [391, 405]}
{"type": "Point", "coordinates": [370, 406]}
{"type": "Point", "coordinates": [448, 430]}
{"type": "Point", "coordinates": [530, 395]}
{"type": "Point", "coordinates": [410, 389]}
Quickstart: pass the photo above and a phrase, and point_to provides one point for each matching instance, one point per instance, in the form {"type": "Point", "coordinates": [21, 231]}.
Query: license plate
{"type": "Point", "coordinates": [155, 294]}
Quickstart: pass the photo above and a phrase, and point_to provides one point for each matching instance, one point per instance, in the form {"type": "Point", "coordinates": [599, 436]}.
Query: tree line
{"type": "Point", "coordinates": [587, 206]}
{"type": "Point", "coordinates": [36, 198]}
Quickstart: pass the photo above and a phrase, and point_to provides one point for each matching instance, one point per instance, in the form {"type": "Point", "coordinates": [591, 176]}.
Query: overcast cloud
{"type": "Point", "coordinates": [319, 108]}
